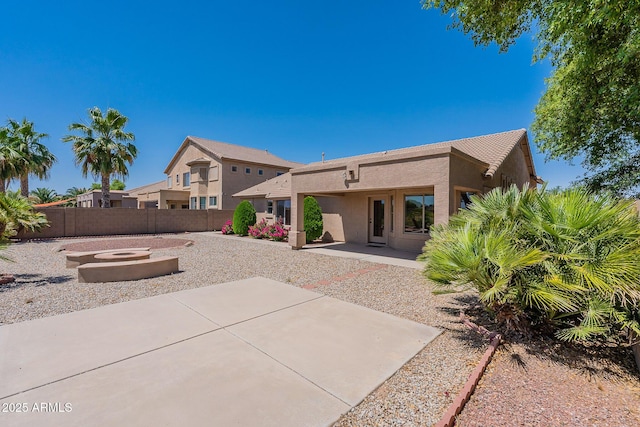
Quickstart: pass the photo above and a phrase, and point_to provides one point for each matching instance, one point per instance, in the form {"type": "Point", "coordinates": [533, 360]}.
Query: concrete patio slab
{"type": "Point", "coordinates": [40, 351]}
{"type": "Point", "coordinates": [211, 380]}
{"type": "Point", "coordinates": [381, 255]}
{"type": "Point", "coordinates": [233, 302]}
{"type": "Point", "coordinates": [346, 349]}
{"type": "Point", "coordinates": [289, 357]}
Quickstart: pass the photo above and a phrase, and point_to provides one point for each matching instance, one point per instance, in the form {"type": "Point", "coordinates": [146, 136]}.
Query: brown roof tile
{"type": "Point", "coordinates": [488, 149]}
{"type": "Point", "coordinates": [224, 150]}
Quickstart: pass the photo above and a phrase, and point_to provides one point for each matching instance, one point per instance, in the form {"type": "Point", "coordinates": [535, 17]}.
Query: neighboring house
{"type": "Point", "coordinates": [155, 196]}
{"type": "Point", "coordinates": [93, 199]}
{"type": "Point", "coordinates": [394, 197]}
{"type": "Point", "coordinates": [277, 193]}
{"type": "Point", "coordinates": [203, 174]}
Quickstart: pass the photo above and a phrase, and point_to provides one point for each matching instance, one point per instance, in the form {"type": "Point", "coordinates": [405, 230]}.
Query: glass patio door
{"type": "Point", "coordinates": [377, 232]}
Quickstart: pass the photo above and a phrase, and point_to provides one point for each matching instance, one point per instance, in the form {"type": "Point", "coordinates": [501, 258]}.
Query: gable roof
{"type": "Point", "coordinates": [490, 150]}
{"type": "Point", "coordinates": [149, 188]}
{"type": "Point", "coordinates": [226, 151]}
{"type": "Point", "coordinates": [274, 188]}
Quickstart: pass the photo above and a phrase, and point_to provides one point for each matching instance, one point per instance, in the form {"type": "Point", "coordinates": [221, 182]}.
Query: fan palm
{"type": "Point", "coordinates": [104, 148]}
{"type": "Point", "coordinates": [9, 159]}
{"type": "Point", "coordinates": [16, 213]}
{"type": "Point", "coordinates": [567, 259]}
{"type": "Point", "coordinates": [45, 195]}
{"type": "Point", "coordinates": [35, 159]}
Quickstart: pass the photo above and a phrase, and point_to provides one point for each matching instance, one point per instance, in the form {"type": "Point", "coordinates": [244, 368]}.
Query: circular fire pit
{"type": "Point", "coordinates": [122, 256]}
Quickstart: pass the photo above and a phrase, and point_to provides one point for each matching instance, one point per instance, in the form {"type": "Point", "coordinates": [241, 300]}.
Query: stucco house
{"type": "Point", "coordinates": [393, 197]}
{"type": "Point", "coordinates": [203, 174]}
{"type": "Point", "coordinates": [118, 199]}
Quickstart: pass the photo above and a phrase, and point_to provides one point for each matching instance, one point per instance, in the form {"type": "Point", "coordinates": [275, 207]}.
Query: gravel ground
{"type": "Point", "coordinates": [417, 395]}
{"type": "Point", "coordinates": [528, 383]}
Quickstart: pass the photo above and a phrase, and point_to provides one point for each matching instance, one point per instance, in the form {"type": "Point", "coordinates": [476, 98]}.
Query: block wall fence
{"type": "Point", "coordinates": [73, 222]}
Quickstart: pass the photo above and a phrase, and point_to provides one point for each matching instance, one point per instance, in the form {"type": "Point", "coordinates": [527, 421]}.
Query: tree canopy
{"type": "Point", "coordinates": [22, 154]}
{"type": "Point", "coordinates": [591, 107]}
{"type": "Point", "coordinates": [104, 148]}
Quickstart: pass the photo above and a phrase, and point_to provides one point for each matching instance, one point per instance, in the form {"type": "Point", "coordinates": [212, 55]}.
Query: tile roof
{"type": "Point", "coordinates": [274, 188]}
{"type": "Point", "coordinates": [224, 150]}
{"type": "Point", "coordinates": [488, 149]}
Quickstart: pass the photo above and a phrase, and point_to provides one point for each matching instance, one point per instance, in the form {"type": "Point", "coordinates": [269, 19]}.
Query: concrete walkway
{"type": "Point", "coordinates": [245, 353]}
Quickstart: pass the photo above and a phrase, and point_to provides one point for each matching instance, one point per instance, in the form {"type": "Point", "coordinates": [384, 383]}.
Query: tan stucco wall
{"type": "Point", "coordinates": [227, 183]}
{"type": "Point", "coordinates": [234, 182]}
{"type": "Point", "coordinates": [513, 167]}
{"type": "Point", "coordinates": [198, 186]}
{"type": "Point", "coordinates": [70, 222]}
{"type": "Point", "coordinates": [444, 176]}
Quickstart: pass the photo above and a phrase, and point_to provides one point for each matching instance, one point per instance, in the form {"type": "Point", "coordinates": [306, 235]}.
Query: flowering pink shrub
{"type": "Point", "coordinates": [277, 232]}
{"type": "Point", "coordinates": [263, 230]}
{"type": "Point", "coordinates": [227, 228]}
{"type": "Point", "coordinates": [260, 230]}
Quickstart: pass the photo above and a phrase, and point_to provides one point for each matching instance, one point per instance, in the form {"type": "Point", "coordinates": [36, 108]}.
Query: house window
{"type": "Point", "coordinates": [270, 206]}
{"type": "Point", "coordinates": [203, 202]}
{"type": "Point", "coordinates": [213, 200]}
{"type": "Point", "coordinates": [234, 169]}
{"type": "Point", "coordinates": [169, 182]}
{"type": "Point", "coordinates": [418, 213]}
{"type": "Point", "coordinates": [203, 174]}
{"type": "Point", "coordinates": [278, 173]}
{"type": "Point", "coordinates": [177, 179]}
{"type": "Point", "coordinates": [186, 179]}
{"type": "Point", "coordinates": [194, 203]}
{"type": "Point", "coordinates": [465, 199]}
{"type": "Point", "coordinates": [247, 170]}
{"type": "Point", "coordinates": [260, 172]}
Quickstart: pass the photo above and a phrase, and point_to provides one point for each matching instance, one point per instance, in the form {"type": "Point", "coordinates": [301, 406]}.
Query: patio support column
{"type": "Point", "coordinates": [297, 236]}
{"type": "Point", "coordinates": [442, 201]}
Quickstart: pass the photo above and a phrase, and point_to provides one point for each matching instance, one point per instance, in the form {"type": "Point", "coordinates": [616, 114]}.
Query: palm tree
{"type": "Point", "coordinates": [45, 195]}
{"type": "Point", "coordinates": [16, 213]}
{"type": "Point", "coordinates": [561, 259]}
{"type": "Point", "coordinates": [72, 196]}
{"type": "Point", "coordinates": [35, 158]}
{"type": "Point", "coordinates": [9, 157]}
{"type": "Point", "coordinates": [104, 148]}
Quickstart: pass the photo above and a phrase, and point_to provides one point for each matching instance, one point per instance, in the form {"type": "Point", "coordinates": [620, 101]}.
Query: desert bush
{"type": "Point", "coordinates": [263, 230]}
{"type": "Point", "coordinates": [260, 230]}
{"type": "Point", "coordinates": [227, 228]}
{"type": "Point", "coordinates": [277, 232]}
{"type": "Point", "coordinates": [243, 217]}
{"type": "Point", "coordinates": [565, 260]}
{"type": "Point", "coordinates": [312, 219]}
{"type": "Point", "coordinates": [16, 214]}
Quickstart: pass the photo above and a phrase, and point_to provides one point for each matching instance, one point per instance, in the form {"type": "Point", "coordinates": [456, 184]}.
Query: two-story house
{"type": "Point", "coordinates": [204, 174]}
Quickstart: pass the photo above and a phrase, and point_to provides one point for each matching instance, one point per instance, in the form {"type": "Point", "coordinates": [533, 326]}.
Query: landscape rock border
{"type": "Point", "coordinates": [449, 417]}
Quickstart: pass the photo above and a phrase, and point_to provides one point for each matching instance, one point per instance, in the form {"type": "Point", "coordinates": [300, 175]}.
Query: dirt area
{"type": "Point", "coordinates": [541, 382]}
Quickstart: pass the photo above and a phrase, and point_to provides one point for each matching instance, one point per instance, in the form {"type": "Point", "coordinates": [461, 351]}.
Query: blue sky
{"type": "Point", "coordinates": [296, 78]}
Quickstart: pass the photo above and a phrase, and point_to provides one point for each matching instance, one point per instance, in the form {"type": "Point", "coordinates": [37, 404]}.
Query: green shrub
{"type": "Point", "coordinates": [312, 219]}
{"type": "Point", "coordinates": [243, 217]}
{"type": "Point", "coordinates": [565, 260]}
